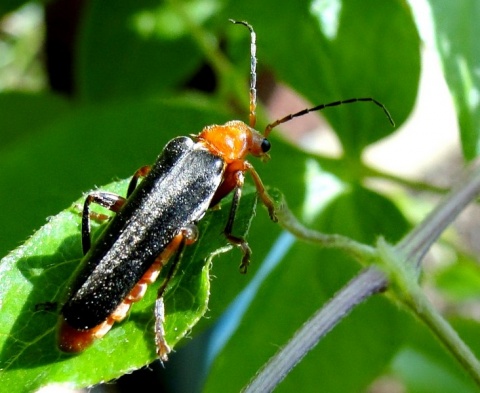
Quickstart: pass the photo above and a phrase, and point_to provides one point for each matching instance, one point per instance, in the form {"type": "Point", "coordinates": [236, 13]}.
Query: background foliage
{"type": "Point", "coordinates": [134, 85]}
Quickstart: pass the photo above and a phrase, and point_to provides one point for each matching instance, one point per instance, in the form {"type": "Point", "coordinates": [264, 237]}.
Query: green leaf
{"type": "Point", "coordinates": [141, 48]}
{"type": "Point", "coordinates": [457, 34]}
{"type": "Point", "coordinates": [38, 271]}
{"type": "Point", "coordinates": [334, 50]}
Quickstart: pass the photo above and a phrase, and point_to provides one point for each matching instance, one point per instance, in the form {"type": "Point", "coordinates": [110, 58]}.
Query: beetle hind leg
{"type": "Point", "coordinates": [187, 236]}
{"type": "Point", "coordinates": [163, 349]}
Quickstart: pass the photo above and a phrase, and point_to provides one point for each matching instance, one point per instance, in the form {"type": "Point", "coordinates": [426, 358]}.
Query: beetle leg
{"type": "Point", "coordinates": [109, 201]}
{"type": "Point", "coordinates": [141, 172]}
{"type": "Point", "coordinates": [262, 192]}
{"type": "Point", "coordinates": [187, 235]}
{"type": "Point", "coordinates": [237, 240]}
{"type": "Point", "coordinates": [236, 181]}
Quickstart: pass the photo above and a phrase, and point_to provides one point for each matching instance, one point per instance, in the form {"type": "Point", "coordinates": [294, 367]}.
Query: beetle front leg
{"type": "Point", "coordinates": [108, 200]}
{"type": "Point", "coordinates": [262, 192]}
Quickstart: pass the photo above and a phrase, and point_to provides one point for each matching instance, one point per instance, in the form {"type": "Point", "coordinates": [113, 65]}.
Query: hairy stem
{"type": "Point", "coordinates": [362, 253]}
{"type": "Point", "coordinates": [369, 282]}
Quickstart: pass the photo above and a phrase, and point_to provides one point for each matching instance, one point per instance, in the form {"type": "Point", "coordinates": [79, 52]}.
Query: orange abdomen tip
{"type": "Point", "coordinates": [71, 340]}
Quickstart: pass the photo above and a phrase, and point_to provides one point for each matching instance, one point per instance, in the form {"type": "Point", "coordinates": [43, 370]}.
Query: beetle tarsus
{"type": "Point", "coordinates": [163, 348]}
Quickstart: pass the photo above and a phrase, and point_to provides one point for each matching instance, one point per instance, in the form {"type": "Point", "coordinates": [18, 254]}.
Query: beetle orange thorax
{"type": "Point", "coordinates": [232, 140]}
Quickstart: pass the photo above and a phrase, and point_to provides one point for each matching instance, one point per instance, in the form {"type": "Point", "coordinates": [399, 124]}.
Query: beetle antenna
{"type": "Point", "coordinates": [289, 117]}
{"type": "Point", "coordinates": [253, 71]}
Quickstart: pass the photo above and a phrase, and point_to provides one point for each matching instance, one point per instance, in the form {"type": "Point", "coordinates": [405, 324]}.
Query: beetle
{"type": "Point", "coordinates": [158, 218]}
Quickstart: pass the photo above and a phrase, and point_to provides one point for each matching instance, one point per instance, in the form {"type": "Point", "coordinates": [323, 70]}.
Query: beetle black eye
{"type": "Point", "coordinates": [265, 146]}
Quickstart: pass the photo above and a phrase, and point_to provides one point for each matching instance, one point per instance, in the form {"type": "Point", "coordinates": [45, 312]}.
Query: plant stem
{"type": "Point", "coordinates": [364, 285]}
{"type": "Point", "coordinates": [424, 310]}
{"type": "Point", "coordinates": [363, 253]}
